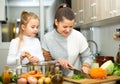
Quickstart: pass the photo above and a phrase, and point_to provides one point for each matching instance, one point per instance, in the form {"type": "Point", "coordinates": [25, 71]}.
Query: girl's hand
{"type": "Point", "coordinates": [34, 59]}
{"type": "Point", "coordinates": [64, 63]}
{"type": "Point", "coordinates": [23, 55]}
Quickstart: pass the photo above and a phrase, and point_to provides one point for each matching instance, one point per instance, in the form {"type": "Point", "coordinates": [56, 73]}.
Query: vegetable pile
{"type": "Point", "coordinates": [107, 68]}
{"type": "Point", "coordinates": [111, 68]}
{"type": "Point", "coordinates": [33, 77]}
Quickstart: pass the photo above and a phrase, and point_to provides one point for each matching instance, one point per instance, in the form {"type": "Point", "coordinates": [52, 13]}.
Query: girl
{"type": "Point", "coordinates": [26, 41]}
{"type": "Point", "coordinates": [66, 45]}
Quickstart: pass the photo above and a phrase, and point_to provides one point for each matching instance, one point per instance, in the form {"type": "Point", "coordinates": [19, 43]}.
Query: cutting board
{"type": "Point", "coordinates": [93, 81]}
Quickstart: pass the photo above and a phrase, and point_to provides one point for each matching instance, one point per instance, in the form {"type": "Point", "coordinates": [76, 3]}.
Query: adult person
{"type": "Point", "coordinates": [66, 45]}
{"type": "Point", "coordinates": [26, 41]}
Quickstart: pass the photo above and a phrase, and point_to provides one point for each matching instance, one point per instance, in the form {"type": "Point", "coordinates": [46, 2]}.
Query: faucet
{"type": "Point", "coordinates": [96, 46]}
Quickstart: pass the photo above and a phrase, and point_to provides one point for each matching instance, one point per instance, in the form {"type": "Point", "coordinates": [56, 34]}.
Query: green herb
{"type": "Point", "coordinates": [14, 78]}
{"type": "Point", "coordinates": [0, 78]}
{"type": "Point", "coordinates": [78, 77]}
{"type": "Point", "coordinates": [116, 70]}
{"type": "Point", "coordinates": [116, 67]}
{"type": "Point", "coordinates": [0, 82]}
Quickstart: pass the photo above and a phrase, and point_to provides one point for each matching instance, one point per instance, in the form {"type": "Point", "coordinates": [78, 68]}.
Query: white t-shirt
{"type": "Point", "coordinates": [30, 44]}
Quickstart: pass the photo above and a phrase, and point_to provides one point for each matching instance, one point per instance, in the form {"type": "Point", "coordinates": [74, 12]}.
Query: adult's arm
{"type": "Point", "coordinates": [47, 55]}
{"type": "Point", "coordinates": [87, 58]}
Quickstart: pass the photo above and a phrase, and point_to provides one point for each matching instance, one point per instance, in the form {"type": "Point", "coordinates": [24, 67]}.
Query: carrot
{"type": "Point", "coordinates": [32, 72]}
{"type": "Point", "coordinates": [36, 74]}
{"type": "Point", "coordinates": [98, 73]}
{"type": "Point", "coordinates": [26, 75]}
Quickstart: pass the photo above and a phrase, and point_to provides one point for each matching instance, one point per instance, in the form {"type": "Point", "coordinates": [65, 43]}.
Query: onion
{"type": "Point", "coordinates": [32, 80]}
{"type": "Point", "coordinates": [40, 81]}
{"type": "Point", "coordinates": [47, 80]}
{"type": "Point", "coordinates": [22, 81]}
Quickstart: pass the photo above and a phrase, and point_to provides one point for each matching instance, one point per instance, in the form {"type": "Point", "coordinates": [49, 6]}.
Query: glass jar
{"type": "Point", "coordinates": [6, 76]}
{"type": "Point", "coordinates": [118, 56]}
{"type": "Point", "coordinates": [57, 77]}
{"type": "Point", "coordinates": [18, 67]}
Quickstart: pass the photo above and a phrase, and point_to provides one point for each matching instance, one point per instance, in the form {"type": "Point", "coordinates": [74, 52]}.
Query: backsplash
{"type": "Point", "coordinates": [103, 36]}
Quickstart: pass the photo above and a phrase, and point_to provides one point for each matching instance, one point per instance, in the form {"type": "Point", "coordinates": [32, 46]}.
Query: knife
{"type": "Point", "coordinates": [79, 72]}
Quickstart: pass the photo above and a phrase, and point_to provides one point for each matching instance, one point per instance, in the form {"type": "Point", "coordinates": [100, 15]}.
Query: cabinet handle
{"type": "Point", "coordinates": [75, 13]}
{"type": "Point", "coordinates": [80, 10]}
{"type": "Point", "coordinates": [94, 17]}
{"type": "Point", "coordinates": [114, 11]}
{"type": "Point", "coordinates": [93, 9]}
{"type": "Point", "coordinates": [81, 21]}
{"type": "Point", "coordinates": [93, 4]}
{"type": "Point", "coordinates": [81, 16]}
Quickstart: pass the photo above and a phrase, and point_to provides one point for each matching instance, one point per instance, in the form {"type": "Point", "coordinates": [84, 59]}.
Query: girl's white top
{"type": "Point", "coordinates": [30, 44]}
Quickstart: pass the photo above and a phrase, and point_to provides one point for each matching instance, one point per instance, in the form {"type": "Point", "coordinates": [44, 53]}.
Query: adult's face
{"type": "Point", "coordinates": [64, 27]}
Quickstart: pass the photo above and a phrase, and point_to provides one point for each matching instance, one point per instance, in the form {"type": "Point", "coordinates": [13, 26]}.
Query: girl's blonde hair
{"type": "Point", "coordinates": [24, 20]}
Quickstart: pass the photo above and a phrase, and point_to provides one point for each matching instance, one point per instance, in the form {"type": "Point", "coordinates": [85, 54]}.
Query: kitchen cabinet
{"type": "Point", "coordinates": [75, 8]}
{"type": "Point", "coordinates": [118, 7]}
{"type": "Point", "coordinates": [2, 10]}
{"type": "Point", "coordinates": [92, 11]}
{"type": "Point", "coordinates": [96, 12]}
{"type": "Point", "coordinates": [86, 11]}
{"type": "Point", "coordinates": [81, 12]}
{"type": "Point", "coordinates": [89, 11]}
{"type": "Point", "coordinates": [111, 8]}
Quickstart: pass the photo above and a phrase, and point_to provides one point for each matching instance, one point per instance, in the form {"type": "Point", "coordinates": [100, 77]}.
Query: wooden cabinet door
{"type": "Point", "coordinates": [118, 7]}
{"type": "Point", "coordinates": [110, 8]}
{"type": "Point", "coordinates": [81, 12]}
{"type": "Point", "coordinates": [87, 11]}
{"type": "Point", "coordinates": [2, 10]}
{"type": "Point", "coordinates": [75, 10]}
{"type": "Point", "coordinates": [103, 9]}
{"type": "Point", "coordinates": [95, 13]}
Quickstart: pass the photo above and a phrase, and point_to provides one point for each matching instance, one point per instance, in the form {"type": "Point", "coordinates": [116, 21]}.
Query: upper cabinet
{"type": "Point", "coordinates": [75, 7]}
{"type": "Point", "coordinates": [81, 12]}
{"type": "Point", "coordinates": [2, 10]}
{"type": "Point", "coordinates": [94, 11]}
{"type": "Point", "coordinates": [110, 8]}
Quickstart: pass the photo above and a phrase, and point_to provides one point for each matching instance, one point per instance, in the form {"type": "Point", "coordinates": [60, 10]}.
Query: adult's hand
{"type": "Point", "coordinates": [85, 69]}
{"type": "Point", "coordinates": [64, 63]}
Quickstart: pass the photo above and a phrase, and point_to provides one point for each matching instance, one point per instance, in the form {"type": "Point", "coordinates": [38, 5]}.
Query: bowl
{"type": "Point", "coordinates": [102, 59]}
{"type": "Point", "coordinates": [45, 66]}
